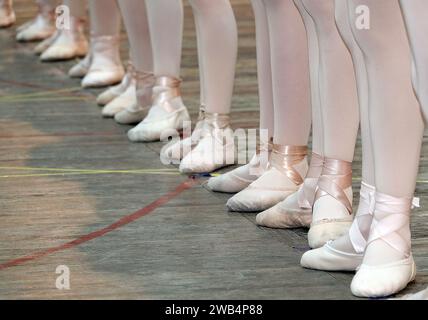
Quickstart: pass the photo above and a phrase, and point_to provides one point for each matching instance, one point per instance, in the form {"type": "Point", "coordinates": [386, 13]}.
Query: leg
{"type": "Point", "coordinates": [106, 66]}
{"type": "Point", "coordinates": [240, 178]}
{"type": "Point", "coordinates": [69, 41]}
{"type": "Point", "coordinates": [296, 210]}
{"type": "Point", "coordinates": [166, 32]}
{"type": "Point", "coordinates": [7, 15]}
{"type": "Point", "coordinates": [339, 106]}
{"type": "Point", "coordinates": [168, 112]}
{"type": "Point", "coordinates": [218, 53]}
{"type": "Point", "coordinates": [417, 25]}
{"type": "Point", "coordinates": [137, 27]}
{"type": "Point", "coordinates": [292, 114]}
{"type": "Point", "coordinates": [42, 26]}
{"type": "Point", "coordinates": [388, 264]}
{"type": "Point", "coordinates": [348, 250]}
{"type": "Point", "coordinates": [218, 59]}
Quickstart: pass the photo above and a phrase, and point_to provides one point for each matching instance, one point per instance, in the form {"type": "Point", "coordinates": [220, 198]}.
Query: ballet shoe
{"type": "Point", "coordinates": [7, 15]}
{"type": "Point", "coordinates": [240, 178]}
{"type": "Point", "coordinates": [287, 166]}
{"type": "Point", "coordinates": [80, 69]}
{"type": "Point", "coordinates": [166, 115]}
{"type": "Point", "coordinates": [332, 209]}
{"type": "Point", "coordinates": [215, 146]}
{"type": "Point", "coordinates": [328, 258]}
{"type": "Point", "coordinates": [45, 44]}
{"type": "Point", "coordinates": [69, 44]}
{"type": "Point", "coordinates": [284, 216]}
{"type": "Point", "coordinates": [335, 255]}
{"type": "Point", "coordinates": [40, 28]}
{"type": "Point", "coordinates": [116, 90]}
{"type": "Point", "coordinates": [106, 67]}
{"type": "Point", "coordinates": [138, 110]}
{"type": "Point", "coordinates": [121, 102]}
{"type": "Point", "coordinates": [173, 153]}
{"type": "Point", "coordinates": [295, 211]}
{"type": "Point", "coordinates": [388, 265]}
{"type": "Point", "coordinates": [383, 281]}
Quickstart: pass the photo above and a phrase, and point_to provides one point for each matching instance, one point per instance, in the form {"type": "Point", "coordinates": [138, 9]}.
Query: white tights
{"type": "Point", "coordinates": [217, 38]}
{"type": "Point", "coordinates": [166, 30]}
{"type": "Point", "coordinates": [137, 27]}
{"type": "Point", "coordinates": [283, 71]}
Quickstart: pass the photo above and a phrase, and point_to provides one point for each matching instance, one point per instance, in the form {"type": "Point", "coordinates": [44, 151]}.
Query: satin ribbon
{"type": "Point", "coordinates": [366, 207]}
{"type": "Point", "coordinates": [284, 158]}
{"type": "Point", "coordinates": [264, 147]}
{"type": "Point", "coordinates": [217, 120]}
{"type": "Point", "coordinates": [387, 228]}
{"type": "Point", "coordinates": [335, 178]}
{"type": "Point", "coordinates": [166, 89]}
{"type": "Point", "coordinates": [306, 195]}
{"type": "Point", "coordinates": [112, 39]}
{"type": "Point", "coordinates": [130, 69]}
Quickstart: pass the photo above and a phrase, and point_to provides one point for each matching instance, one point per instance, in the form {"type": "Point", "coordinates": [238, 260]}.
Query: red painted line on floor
{"type": "Point", "coordinates": [99, 233]}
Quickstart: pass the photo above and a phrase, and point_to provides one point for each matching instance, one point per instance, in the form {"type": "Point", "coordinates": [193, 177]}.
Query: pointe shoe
{"type": "Point", "coordinates": [296, 210]}
{"type": "Point", "coordinates": [287, 167]}
{"type": "Point", "coordinates": [106, 67]}
{"type": "Point", "coordinates": [389, 241]}
{"type": "Point", "coordinates": [215, 147]}
{"type": "Point", "coordinates": [80, 69]}
{"type": "Point", "coordinates": [240, 178]}
{"type": "Point", "coordinates": [69, 44]}
{"type": "Point", "coordinates": [332, 210]}
{"type": "Point", "coordinates": [45, 44]}
{"type": "Point", "coordinates": [138, 110]}
{"type": "Point", "coordinates": [166, 115]}
{"type": "Point", "coordinates": [115, 91]}
{"type": "Point", "coordinates": [7, 15]}
{"type": "Point", "coordinates": [40, 28]}
{"type": "Point", "coordinates": [345, 254]}
{"type": "Point", "coordinates": [120, 103]}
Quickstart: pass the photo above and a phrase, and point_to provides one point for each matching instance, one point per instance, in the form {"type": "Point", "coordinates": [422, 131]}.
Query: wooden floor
{"type": "Point", "coordinates": [74, 191]}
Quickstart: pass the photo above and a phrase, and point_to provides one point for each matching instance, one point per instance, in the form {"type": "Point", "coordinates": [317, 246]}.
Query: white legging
{"type": "Point", "coordinates": [395, 119]}
{"type": "Point", "coordinates": [217, 38]}
{"type": "Point", "coordinates": [166, 31]}
{"type": "Point", "coordinates": [414, 13]}
{"type": "Point", "coordinates": [104, 18]}
{"type": "Point", "coordinates": [77, 7]}
{"type": "Point", "coordinates": [344, 28]}
{"type": "Point", "coordinates": [137, 27]}
{"type": "Point", "coordinates": [50, 3]}
{"type": "Point", "coordinates": [283, 71]}
{"type": "Point", "coordinates": [335, 84]}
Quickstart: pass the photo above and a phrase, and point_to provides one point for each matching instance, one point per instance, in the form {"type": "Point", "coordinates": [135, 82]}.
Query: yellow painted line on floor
{"type": "Point", "coordinates": [43, 99]}
{"type": "Point", "coordinates": [90, 170]}
{"type": "Point", "coordinates": [84, 173]}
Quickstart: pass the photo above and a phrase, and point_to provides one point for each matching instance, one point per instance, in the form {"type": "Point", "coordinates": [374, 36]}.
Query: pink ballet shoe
{"type": "Point", "coordinates": [332, 210]}
{"type": "Point", "coordinates": [389, 233]}
{"type": "Point", "coordinates": [106, 67]}
{"type": "Point", "coordinates": [287, 167]}
{"type": "Point", "coordinates": [296, 210]}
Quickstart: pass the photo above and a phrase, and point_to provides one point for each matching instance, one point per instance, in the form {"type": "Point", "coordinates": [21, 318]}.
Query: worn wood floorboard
{"type": "Point", "coordinates": [190, 247]}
